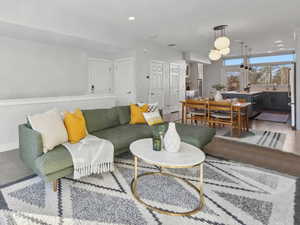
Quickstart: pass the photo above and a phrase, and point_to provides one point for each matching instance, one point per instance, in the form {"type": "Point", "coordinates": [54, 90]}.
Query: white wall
{"type": "Point", "coordinates": [193, 75]}
{"type": "Point", "coordinates": [14, 112]}
{"type": "Point", "coordinates": [33, 69]}
{"type": "Point", "coordinates": [212, 75]}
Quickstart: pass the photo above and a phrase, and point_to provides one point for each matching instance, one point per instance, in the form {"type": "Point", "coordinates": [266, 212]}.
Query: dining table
{"type": "Point", "coordinates": [238, 107]}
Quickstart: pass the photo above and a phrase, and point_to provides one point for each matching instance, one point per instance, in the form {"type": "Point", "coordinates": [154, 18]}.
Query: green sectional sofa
{"type": "Point", "coordinates": [111, 124]}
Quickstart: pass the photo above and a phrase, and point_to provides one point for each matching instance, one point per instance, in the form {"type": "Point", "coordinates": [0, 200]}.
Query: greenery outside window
{"type": "Point", "coordinates": [270, 74]}
{"type": "Point", "coordinates": [233, 79]}
{"type": "Point", "coordinates": [265, 70]}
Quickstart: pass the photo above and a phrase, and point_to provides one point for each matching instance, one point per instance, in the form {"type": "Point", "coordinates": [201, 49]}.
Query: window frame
{"type": "Point", "coordinates": [245, 74]}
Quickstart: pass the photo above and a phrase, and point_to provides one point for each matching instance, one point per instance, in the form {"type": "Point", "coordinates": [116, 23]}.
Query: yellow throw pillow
{"type": "Point", "coordinates": [137, 113]}
{"type": "Point", "coordinates": [75, 125]}
{"type": "Point", "coordinates": [153, 118]}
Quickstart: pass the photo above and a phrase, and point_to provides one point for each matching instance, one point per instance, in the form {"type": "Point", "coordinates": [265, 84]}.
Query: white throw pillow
{"type": "Point", "coordinates": [51, 127]}
{"type": "Point", "coordinates": [153, 118]}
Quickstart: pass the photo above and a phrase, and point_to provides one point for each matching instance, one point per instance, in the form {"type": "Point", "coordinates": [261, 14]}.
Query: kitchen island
{"type": "Point", "coordinates": [267, 100]}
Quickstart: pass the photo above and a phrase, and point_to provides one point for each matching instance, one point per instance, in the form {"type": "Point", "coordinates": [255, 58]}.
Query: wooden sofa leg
{"type": "Point", "coordinates": [55, 183]}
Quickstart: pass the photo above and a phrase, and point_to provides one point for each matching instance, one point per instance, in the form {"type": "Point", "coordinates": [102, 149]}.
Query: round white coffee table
{"type": "Point", "coordinates": [188, 157]}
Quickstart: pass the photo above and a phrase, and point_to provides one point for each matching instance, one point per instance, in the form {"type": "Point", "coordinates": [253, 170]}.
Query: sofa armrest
{"type": "Point", "coordinates": [30, 145]}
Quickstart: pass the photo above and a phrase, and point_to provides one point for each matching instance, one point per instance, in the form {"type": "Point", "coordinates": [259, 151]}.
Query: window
{"type": "Point", "coordinates": [259, 75]}
{"type": "Point", "coordinates": [232, 79]}
{"type": "Point", "coordinates": [270, 74]}
{"type": "Point", "coordinates": [272, 59]}
{"type": "Point", "coordinates": [233, 62]}
{"type": "Point", "coordinates": [266, 70]}
{"type": "Point", "coordinates": [280, 74]}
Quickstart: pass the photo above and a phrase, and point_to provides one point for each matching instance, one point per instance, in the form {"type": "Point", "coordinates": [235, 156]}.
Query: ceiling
{"type": "Point", "coordinates": [188, 24]}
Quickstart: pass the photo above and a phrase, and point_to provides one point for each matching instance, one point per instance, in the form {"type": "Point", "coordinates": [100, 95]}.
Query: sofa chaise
{"type": "Point", "coordinates": [111, 124]}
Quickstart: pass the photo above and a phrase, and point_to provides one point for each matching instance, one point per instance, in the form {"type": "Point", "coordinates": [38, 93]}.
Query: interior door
{"type": "Point", "coordinates": [100, 75]}
{"type": "Point", "coordinates": [174, 87]}
{"type": "Point", "coordinates": [124, 81]}
{"type": "Point", "coordinates": [156, 90]}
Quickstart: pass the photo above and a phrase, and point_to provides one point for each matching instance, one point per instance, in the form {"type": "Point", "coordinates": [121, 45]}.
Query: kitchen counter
{"type": "Point", "coordinates": [242, 92]}
{"type": "Point", "coordinates": [264, 100]}
{"type": "Point", "coordinates": [251, 92]}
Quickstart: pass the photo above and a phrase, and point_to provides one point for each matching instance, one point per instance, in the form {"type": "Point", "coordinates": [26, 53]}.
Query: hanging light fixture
{"type": "Point", "coordinates": [246, 57]}
{"type": "Point", "coordinates": [242, 54]}
{"type": "Point", "coordinates": [225, 51]}
{"type": "Point", "coordinates": [215, 55]}
{"type": "Point", "coordinates": [221, 44]}
{"type": "Point", "coordinates": [221, 41]}
{"type": "Point", "coordinates": [249, 55]}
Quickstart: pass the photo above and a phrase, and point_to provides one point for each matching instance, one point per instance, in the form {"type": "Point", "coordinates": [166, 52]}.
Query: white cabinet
{"type": "Point", "coordinates": [100, 75]}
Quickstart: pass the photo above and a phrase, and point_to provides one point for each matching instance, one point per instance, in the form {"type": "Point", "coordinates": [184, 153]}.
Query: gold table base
{"type": "Point", "coordinates": [199, 190]}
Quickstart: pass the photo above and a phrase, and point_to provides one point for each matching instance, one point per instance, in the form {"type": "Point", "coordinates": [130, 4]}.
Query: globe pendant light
{"type": "Point", "coordinates": [246, 57]}
{"type": "Point", "coordinates": [250, 67]}
{"type": "Point", "coordinates": [242, 54]}
{"type": "Point", "coordinates": [215, 55]}
{"type": "Point", "coordinates": [222, 41]}
{"type": "Point", "coordinates": [225, 51]}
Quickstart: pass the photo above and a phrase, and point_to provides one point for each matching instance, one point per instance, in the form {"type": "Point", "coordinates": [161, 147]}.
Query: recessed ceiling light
{"type": "Point", "coordinates": [280, 45]}
{"type": "Point", "coordinates": [131, 18]}
{"type": "Point", "coordinates": [278, 42]}
{"type": "Point", "coordinates": [172, 45]}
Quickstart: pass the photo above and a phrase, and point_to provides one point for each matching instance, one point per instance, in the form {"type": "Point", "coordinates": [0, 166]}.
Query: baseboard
{"type": "Point", "coordinates": [8, 147]}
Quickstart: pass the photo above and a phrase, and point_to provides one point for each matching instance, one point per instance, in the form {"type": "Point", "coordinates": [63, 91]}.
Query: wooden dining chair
{"type": "Point", "coordinates": [244, 116]}
{"type": "Point", "coordinates": [196, 110]}
{"type": "Point", "coordinates": [221, 113]}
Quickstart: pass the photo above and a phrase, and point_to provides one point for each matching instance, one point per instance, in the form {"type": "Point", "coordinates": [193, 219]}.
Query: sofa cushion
{"type": "Point", "coordinates": [99, 119]}
{"type": "Point", "coordinates": [123, 135]}
{"type": "Point", "coordinates": [136, 114]}
{"type": "Point", "coordinates": [75, 125]}
{"type": "Point", "coordinates": [57, 159]}
{"type": "Point", "coordinates": [195, 135]}
{"type": "Point", "coordinates": [124, 114]}
{"type": "Point", "coordinates": [51, 127]}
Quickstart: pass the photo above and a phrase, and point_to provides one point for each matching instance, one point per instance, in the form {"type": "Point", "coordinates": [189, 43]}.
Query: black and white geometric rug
{"type": "Point", "coordinates": [235, 194]}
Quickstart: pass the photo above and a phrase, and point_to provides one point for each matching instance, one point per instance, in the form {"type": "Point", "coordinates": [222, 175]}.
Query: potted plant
{"type": "Point", "coordinates": [218, 87]}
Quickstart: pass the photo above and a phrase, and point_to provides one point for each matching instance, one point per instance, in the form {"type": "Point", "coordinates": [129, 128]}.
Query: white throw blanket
{"type": "Point", "coordinates": [91, 155]}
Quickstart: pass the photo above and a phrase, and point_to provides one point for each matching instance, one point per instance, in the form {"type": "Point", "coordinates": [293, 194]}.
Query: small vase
{"type": "Point", "coordinates": [218, 96]}
{"type": "Point", "coordinates": [172, 140]}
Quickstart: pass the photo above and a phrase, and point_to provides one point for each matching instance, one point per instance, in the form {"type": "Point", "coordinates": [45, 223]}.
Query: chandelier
{"type": "Point", "coordinates": [221, 44]}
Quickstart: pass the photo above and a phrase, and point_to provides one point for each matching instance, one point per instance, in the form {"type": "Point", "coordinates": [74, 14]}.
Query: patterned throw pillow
{"type": "Point", "coordinates": [153, 118]}
{"type": "Point", "coordinates": [152, 107]}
